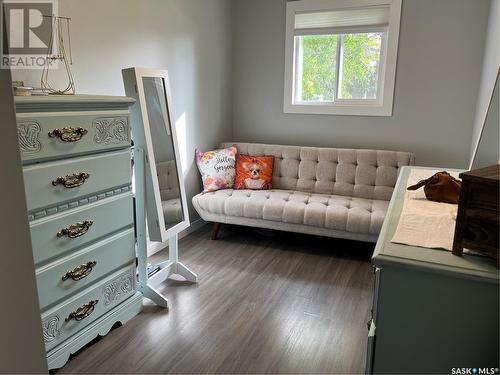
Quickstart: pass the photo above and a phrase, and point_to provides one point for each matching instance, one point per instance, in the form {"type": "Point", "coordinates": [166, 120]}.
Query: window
{"type": "Point", "coordinates": [341, 56]}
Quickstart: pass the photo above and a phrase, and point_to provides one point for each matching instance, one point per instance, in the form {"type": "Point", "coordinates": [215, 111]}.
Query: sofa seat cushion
{"type": "Point", "coordinates": [340, 213]}
{"type": "Point", "coordinates": [172, 211]}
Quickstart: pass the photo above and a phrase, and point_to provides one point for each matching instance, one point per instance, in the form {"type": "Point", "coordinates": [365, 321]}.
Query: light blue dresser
{"type": "Point", "coordinates": [77, 175]}
{"type": "Point", "coordinates": [433, 312]}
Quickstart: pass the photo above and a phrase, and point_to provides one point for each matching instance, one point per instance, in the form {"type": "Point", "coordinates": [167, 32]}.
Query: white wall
{"type": "Point", "coordinates": [439, 66]}
{"type": "Point", "coordinates": [21, 345]}
{"type": "Point", "coordinates": [190, 38]}
{"type": "Point", "coordinates": [491, 64]}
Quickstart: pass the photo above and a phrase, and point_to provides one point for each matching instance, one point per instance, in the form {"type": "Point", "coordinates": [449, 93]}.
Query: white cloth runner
{"type": "Point", "coordinates": [422, 222]}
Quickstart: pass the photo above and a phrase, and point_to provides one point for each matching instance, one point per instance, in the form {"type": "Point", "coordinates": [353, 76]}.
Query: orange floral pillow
{"type": "Point", "coordinates": [254, 172]}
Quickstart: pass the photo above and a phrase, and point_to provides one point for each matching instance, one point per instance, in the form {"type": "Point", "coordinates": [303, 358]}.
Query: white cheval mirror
{"type": "Point", "coordinates": [159, 183]}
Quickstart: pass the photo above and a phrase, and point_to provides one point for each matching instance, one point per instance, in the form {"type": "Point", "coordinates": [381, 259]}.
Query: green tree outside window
{"type": "Point", "coordinates": [359, 71]}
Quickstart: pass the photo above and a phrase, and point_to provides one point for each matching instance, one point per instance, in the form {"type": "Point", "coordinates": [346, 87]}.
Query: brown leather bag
{"type": "Point", "coordinates": [441, 187]}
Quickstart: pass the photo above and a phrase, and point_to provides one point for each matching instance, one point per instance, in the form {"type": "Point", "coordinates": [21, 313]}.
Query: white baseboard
{"type": "Point", "coordinates": [155, 247]}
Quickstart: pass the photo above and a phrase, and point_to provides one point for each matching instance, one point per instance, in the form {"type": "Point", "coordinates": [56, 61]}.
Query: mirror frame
{"type": "Point", "coordinates": [141, 135]}
{"type": "Point", "coordinates": [481, 133]}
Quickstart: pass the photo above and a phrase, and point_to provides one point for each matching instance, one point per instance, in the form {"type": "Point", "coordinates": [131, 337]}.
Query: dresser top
{"type": "Point", "coordinates": [432, 260]}
{"type": "Point", "coordinates": [71, 102]}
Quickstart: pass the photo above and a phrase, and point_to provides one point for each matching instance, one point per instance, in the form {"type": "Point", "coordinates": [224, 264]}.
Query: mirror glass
{"type": "Point", "coordinates": [163, 149]}
{"type": "Point", "coordinates": [488, 149]}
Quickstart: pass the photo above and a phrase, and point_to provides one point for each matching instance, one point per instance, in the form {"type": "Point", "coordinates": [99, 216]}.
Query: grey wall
{"type": "Point", "coordinates": [214, 48]}
{"type": "Point", "coordinates": [190, 38]}
{"type": "Point", "coordinates": [491, 65]}
{"type": "Point", "coordinates": [21, 345]}
{"type": "Point", "coordinates": [439, 67]}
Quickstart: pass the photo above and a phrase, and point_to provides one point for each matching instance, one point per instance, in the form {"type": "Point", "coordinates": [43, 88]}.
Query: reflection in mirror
{"type": "Point", "coordinates": [488, 148]}
{"type": "Point", "coordinates": [163, 149]}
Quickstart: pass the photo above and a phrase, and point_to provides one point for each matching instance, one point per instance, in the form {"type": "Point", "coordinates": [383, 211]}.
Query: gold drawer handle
{"type": "Point", "coordinates": [71, 180]}
{"type": "Point", "coordinates": [80, 272]}
{"type": "Point", "coordinates": [76, 230]}
{"type": "Point", "coordinates": [68, 134]}
{"type": "Point", "coordinates": [83, 311]}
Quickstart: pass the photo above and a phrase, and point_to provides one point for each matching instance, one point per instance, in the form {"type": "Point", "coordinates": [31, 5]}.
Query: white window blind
{"type": "Point", "coordinates": [333, 21]}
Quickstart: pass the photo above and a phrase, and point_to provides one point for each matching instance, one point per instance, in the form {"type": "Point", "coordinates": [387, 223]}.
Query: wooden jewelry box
{"type": "Point", "coordinates": [477, 226]}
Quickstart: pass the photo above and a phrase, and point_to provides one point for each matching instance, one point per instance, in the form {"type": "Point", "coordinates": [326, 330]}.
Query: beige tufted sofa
{"type": "Point", "coordinates": [323, 191]}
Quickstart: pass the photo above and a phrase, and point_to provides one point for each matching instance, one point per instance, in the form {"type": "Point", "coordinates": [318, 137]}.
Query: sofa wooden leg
{"type": "Point", "coordinates": [215, 231]}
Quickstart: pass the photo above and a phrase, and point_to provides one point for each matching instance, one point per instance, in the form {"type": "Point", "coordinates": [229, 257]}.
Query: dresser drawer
{"type": "Point", "coordinates": [483, 197]}
{"type": "Point", "coordinates": [61, 182]}
{"type": "Point", "coordinates": [44, 136]}
{"type": "Point", "coordinates": [59, 323]}
{"type": "Point", "coordinates": [79, 270]}
{"type": "Point", "coordinates": [106, 216]}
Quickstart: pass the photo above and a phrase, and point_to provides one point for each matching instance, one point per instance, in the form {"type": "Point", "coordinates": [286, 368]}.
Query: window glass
{"type": "Point", "coordinates": [360, 60]}
{"type": "Point", "coordinates": [318, 68]}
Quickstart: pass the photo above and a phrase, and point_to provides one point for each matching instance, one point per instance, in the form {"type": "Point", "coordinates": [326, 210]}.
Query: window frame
{"type": "Point", "coordinates": [383, 104]}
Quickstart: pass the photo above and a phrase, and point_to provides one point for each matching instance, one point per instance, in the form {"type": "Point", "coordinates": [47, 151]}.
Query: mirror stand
{"type": "Point", "coordinates": [167, 268]}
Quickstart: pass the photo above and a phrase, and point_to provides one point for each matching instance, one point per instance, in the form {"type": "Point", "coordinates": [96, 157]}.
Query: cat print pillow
{"type": "Point", "coordinates": [217, 168]}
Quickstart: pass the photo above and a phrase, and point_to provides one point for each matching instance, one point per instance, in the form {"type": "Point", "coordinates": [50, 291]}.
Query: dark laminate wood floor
{"type": "Point", "coordinates": [266, 303]}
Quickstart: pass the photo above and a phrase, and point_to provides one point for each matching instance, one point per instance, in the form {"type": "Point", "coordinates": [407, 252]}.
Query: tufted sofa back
{"type": "Point", "coordinates": [167, 179]}
{"type": "Point", "coordinates": [369, 174]}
